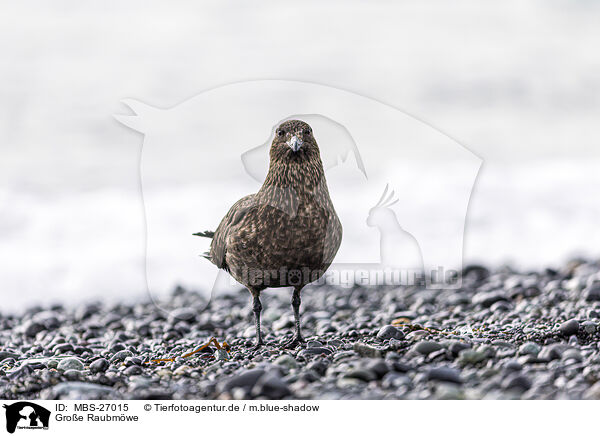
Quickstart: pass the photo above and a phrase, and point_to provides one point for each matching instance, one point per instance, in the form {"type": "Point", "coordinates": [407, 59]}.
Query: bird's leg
{"type": "Point", "coordinates": [297, 338]}
{"type": "Point", "coordinates": [257, 307]}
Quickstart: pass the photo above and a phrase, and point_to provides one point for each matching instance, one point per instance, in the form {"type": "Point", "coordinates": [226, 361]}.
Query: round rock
{"type": "Point", "coordinates": [570, 327]}
{"type": "Point", "coordinates": [389, 332]}
{"type": "Point", "coordinates": [99, 365]}
{"type": "Point", "coordinates": [70, 363]}
{"type": "Point", "coordinates": [427, 347]}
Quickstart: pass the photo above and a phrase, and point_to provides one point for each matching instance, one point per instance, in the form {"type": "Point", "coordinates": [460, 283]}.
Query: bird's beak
{"type": "Point", "coordinates": [295, 143]}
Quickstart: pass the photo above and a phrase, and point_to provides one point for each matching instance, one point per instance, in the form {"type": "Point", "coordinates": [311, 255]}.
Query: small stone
{"type": "Point", "coordinates": [593, 314]}
{"type": "Point", "coordinates": [427, 347]}
{"type": "Point", "coordinates": [572, 353]}
{"type": "Point", "coordinates": [501, 306]}
{"type": "Point", "coordinates": [592, 292]}
{"type": "Point", "coordinates": [32, 328]}
{"type": "Point", "coordinates": [449, 391]}
{"type": "Point", "coordinates": [470, 357]}
{"type": "Point", "coordinates": [552, 352]}
{"type": "Point", "coordinates": [283, 323]}
{"type": "Point", "coordinates": [395, 380]}
{"type": "Point", "coordinates": [131, 360]}
{"type": "Point", "coordinates": [318, 366]}
{"type": "Point", "coordinates": [570, 327]}
{"type": "Point", "coordinates": [271, 386]}
{"type": "Point", "coordinates": [63, 348]}
{"type": "Point", "coordinates": [593, 393]}
{"type": "Point", "coordinates": [589, 327]}
{"type": "Point", "coordinates": [335, 343]}
{"type": "Point", "coordinates": [221, 355]}
{"type": "Point", "coordinates": [377, 366]}
{"type": "Point", "coordinates": [486, 299]}
{"type": "Point", "coordinates": [185, 314]}
{"type": "Point", "coordinates": [390, 332]}
{"type": "Point", "coordinates": [121, 356]}
{"type": "Point", "coordinates": [246, 380]}
{"type": "Point", "coordinates": [48, 319]}
{"type": "Point", "coordinates": [517, 381]}
{"type": "Point", "coordinates": [164, 373]}
{"type": "Point", "coordinates": [445, 374]}
{"type": "Point", "coordinates": [133, 370]}
{"type": "Point", "coordinates": [313, 344]}
{"type": "Point", "coordinates": [456, 347]}
{"type": "Point", "coordinates": [513, 365]}
{"type": "Point", "coordinates": [529, 348]}
{"type": "Point", "coordinates": [99, 365]}
{"type": "Point", "coordinates": [417, 335]}
{"type": "Point", "coordinates": [317, 351]}
{"type": "Point", "coordinates": [250, 332]}
{"type": "Point", "coordinates": [286, 361]}
{"type": "Point", "coordinates": [366, 350]}
{"type": "Point", "coordinates": [70, 363]}
{"type": "Point", "coordinates": [342, 355]}
{"type": "Point", "coordinates": [72, 374]}
{"type": "Point", "coordinates": [182, 370]}
{"type": "Point", "coordinates": [361, 374]}
{"type": "Point", "coordinates": [348, 382]}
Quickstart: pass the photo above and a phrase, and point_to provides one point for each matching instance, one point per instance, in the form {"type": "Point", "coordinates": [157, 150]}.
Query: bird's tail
{"type": "Point", "coordinates": [205, 234]}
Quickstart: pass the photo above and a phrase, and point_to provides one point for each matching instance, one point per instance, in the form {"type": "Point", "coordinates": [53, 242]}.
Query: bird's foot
{"type": "Point", "coordinates": [258, 345]}
{"type": "Point", "coordinates": [213, 341]}
{"type": "Point", "coordinates": [296, 340]}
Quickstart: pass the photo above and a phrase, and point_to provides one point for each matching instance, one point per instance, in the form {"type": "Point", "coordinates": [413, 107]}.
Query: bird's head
{"type": "Point", "coordinates": [294, 141]}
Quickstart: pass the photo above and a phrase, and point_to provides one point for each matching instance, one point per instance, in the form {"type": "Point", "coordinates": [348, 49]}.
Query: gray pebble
{"type": "Point", "coordinates": [517, 381]}
{"type": "Point", "coordinates": [530, 348]}
{"type": "Point", "coordinates": [121, 356]}
{"type": "Point", "coordinates": [32, 328]}
{"type": "Point", "coordinates": [99, 365]}
{"type": "Point", "coordinates": [271, 387]}
{"type": "Point", "coordinates": [390, 332]}
{"type": "Point", "coordinates": [132, 370]}
{"type": "Point", "coordinates": [286, 361]}
{"type": "Point", "coordinates": [427, 347]}
{"type": "Point", "coordinates": [70, 363]}
{"type": "Point", "coordinates": [445, 374]}
{"type": "Point", "coordinates": [570, 327]}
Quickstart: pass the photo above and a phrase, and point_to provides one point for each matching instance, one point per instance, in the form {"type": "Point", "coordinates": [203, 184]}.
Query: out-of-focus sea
{"type": "Point", "coordinates": [516, 82]}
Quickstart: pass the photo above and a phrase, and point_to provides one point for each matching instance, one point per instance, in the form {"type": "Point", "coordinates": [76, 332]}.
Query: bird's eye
{"type": "Point", "coordinates": [280, 132]}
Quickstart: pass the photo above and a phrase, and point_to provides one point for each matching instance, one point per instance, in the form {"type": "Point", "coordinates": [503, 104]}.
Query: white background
{"type": "Point", "coordinates": [350, 417]}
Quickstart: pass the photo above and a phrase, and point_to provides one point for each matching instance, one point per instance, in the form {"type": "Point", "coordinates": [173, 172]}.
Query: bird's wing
{"type": "Point", "coordinates": [218, 247]}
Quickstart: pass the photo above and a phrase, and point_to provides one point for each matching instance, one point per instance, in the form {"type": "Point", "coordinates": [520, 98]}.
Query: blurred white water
{"type": "Point", "coordinates": [517, 82]}
{"type": "Point", "coordinates": [91, 245]}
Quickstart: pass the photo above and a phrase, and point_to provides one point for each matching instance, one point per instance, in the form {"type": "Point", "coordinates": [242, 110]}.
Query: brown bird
{"type": "Point", "coordinates": [286, 234]}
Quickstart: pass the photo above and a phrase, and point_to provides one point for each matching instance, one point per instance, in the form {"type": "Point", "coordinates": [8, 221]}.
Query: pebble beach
{"type": "Point", "coordinates": [504, 334]}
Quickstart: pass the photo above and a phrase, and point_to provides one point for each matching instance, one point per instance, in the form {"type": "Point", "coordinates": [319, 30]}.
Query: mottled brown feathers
{"type": "Point", "coordinates": [288, 232]}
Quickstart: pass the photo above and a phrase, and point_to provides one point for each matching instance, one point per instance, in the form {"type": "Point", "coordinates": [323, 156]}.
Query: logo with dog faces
{"type": "Point", "coordinates": [25, 415]}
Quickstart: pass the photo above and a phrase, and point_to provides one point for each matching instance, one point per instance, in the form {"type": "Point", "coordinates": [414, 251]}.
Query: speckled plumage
{"type": "Point", "coordinates": [286, 234]}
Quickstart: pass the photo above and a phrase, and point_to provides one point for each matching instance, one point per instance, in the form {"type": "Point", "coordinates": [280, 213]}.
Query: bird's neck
{"type": "Point", "coordinates": [302, 176]}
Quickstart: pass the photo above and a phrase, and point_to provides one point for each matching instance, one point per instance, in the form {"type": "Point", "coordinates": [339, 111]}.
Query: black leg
{"type": "Point", "coordinates": [297, 338]}
{"type": "Point", "coordinates": [257, 307]}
